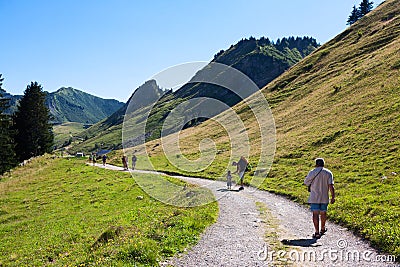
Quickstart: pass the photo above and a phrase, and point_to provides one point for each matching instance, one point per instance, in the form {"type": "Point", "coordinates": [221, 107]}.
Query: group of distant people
{"type": "Point", "coordinates": [93, 158]}
{"type": "Point", "coordinates": [125, 162]}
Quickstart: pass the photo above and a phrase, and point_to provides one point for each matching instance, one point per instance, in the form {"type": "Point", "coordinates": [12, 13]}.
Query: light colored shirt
{"type": "Point", "coordinates": [320, 185]}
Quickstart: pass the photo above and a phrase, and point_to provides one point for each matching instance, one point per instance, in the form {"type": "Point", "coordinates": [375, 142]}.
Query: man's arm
{"type": "Point", "coordinates": [332, 190]}
{"type": "Point", "coordinates": [308, 179]}
{"type": "Point", "coordinates": [237, 169]}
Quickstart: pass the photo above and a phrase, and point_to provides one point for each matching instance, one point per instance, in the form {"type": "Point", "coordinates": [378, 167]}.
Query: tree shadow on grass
{"type": "Point", "coordinates": [310, 242]}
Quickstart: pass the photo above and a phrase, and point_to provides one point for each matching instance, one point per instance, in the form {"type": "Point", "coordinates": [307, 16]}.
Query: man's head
{"type": "Point", "coordinates": [319, 162]}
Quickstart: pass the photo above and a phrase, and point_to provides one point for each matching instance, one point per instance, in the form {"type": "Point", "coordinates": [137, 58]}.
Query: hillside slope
{"type": "Point", "coordinates": [260, 59]}
{"type": "Point", "coordinates": [72, 105]}
{"type": "Point", "coordinates": [107, 132]}
{"type": "Point", "coordinates": [13, 102]}
{"type": "Point", "coordinates": [340, 103]}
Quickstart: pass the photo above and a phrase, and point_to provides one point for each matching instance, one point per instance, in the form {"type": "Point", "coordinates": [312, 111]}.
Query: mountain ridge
{"type": "Point", "coordinates": [244, 55]}
{"type": "Point", "coordinates": [108, 131]}
{"type": "Point", "coordinates": [72, 105]}
{"type": "Point", "coordinates": [68, 104]}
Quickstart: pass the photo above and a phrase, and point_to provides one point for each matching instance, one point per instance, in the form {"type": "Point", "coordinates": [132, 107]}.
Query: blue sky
{"type": "Point", "coordinates": [109, 48]}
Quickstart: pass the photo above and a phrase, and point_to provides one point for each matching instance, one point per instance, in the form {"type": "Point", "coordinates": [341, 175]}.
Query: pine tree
{"type": "Point", "coordinates": [365, 7]}
{"type": "Point", "coordinates": [34, 135]}
{"type": "Point", "coordinates": [7, 153]}
{"type": "Point", "coordinates": [354, 16]}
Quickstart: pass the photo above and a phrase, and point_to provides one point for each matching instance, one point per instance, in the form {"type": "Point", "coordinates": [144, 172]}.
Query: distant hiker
{"type": "Point", "coordinates": [241, 166]}
{"type": "Point", "coordinates": [320, 181]}
{"type": "Point", "coordinates": [104, 159]}
{"type": "Point", "coordinates": [134, 159]}
{"type": "Point", "coordinates": [229, 180]}
{"type": "Point", "coordinates": [94, 159]}
{"type": "Point", "coordinates": [125, 162]}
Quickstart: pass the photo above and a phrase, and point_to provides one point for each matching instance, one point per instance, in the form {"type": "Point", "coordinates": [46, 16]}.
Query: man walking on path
{"type": "Point", "coordinates": [125, 162]}
{"type": "Point", "coordinates": [104, 159]}
{"type": "Point", "coordinates": [134, 159]}
{"type": "Point", "coordinates": [320, 181]}
{"type": "Point", "coordinates": [241, 166]}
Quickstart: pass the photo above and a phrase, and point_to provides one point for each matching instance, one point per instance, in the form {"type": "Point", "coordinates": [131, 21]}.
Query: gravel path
{"type": "Point", "coordinates": [257, 228]}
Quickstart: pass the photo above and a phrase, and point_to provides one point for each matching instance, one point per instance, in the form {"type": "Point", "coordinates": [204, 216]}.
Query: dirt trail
{"type": "Point", "coordinates": [257, 228]}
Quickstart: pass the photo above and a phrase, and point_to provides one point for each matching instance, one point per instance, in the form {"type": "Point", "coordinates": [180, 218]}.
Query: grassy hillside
{"type": "Point", "coordinates": [72, 105]}
{"type": "Point", "coordinates": [340, 103]}
{"type": "Point", "coordinates": [107, 132]}
{"type": "Point", "coordinates": [66, 131]}
{"type": "Point", "coordinates": [260, 59]}
{"type": "Point", "coordinates": [60, 212]}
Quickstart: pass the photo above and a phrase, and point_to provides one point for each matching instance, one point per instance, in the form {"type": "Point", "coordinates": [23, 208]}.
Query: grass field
{"type": "Point", "coordinates": [106, 139]}
{"type": "Point", "coordinates": [63, 132]}
{"type": "Point", "coordinates": [77, 133]}
{"type": "Point", "coordinates": [61, 212]}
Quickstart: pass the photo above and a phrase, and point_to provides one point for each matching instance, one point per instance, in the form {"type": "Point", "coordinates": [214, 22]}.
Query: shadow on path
{"type": "Point", "coordinates": [227, 190]}
{"type": "Point", "coordinates": [311, 242]}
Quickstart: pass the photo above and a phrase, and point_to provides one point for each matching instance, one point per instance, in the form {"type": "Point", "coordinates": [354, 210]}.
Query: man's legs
{"type": "Point", "coordinates": [323, 220]}
{"type": "Point", "coordinates": [315, 218]}
{"type": "Point", "coordinates": [319, 210]}
{"type": "Point", "coordinates": [241, 176]}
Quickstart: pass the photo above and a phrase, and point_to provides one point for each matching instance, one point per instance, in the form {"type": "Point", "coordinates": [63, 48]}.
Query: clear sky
{"type": "Point", "coordinates": [109, 48]}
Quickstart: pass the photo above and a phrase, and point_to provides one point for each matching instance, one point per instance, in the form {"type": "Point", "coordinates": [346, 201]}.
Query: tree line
{"type": "Point", "coordinates": [357, 13]}
{"type": "Point", "coordinates": [26, 133]}
{"type": "Point", "coordinates": [304, 45]}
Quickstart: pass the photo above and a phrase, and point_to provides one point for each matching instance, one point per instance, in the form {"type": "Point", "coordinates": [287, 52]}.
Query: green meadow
{"type": "Point", "coordinates": [66, 131]}
{"type": "Point", "coordinates": [62, 212]}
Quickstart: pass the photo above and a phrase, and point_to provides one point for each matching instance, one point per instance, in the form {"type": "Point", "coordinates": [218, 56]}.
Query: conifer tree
{"type": "Point", "coordinates": [7, 154]}
{"type": "Point", "coordinates": [34, 135]}
{"type": "Point", "coordinates": [365, 7]}
{"type": "Point", "coordinates": [354, 16]}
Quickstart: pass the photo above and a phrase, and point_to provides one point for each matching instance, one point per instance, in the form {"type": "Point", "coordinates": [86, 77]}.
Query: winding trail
{"type": "Point", "coordinates": [257, 228]}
